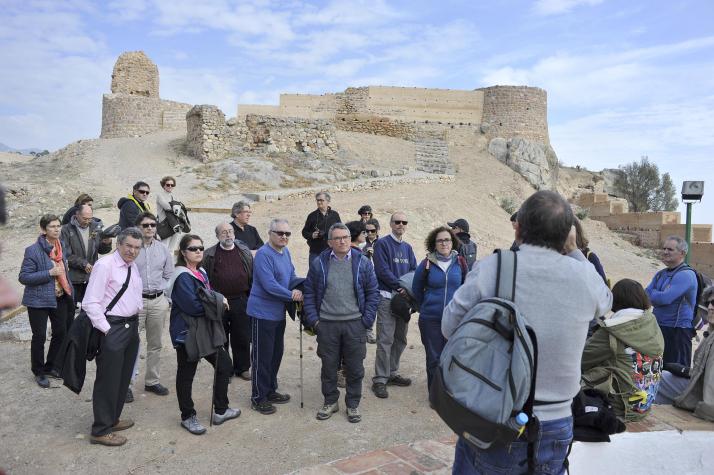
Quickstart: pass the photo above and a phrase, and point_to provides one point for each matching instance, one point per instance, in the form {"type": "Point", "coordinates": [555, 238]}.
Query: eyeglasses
{"type": "Point", "coordinates": [286, 234]}
{"type": "Point", "coordinates": [443, 241]}
{"type": "Point", "coordinates": [710, 303]}
{"type": "Point", "coordinates": [143, 192]}
{"type": "Point", "coordinates": [401, 222]}
{"type": "Point", "coordinates": [170, 185]}
{"type": "Point", "coordinates": [148, 225]}
{"type": "Point", "coordinates": [226, 232]}
{"type": "Point", "coordinates": [195, 248]}
{"type": "Point", "coordinates": [372, 231]}
{"type": "Point", "coordinates": [340, 238]}
{"type": "Point", "coordinates": [319, 201]}
{"type": "Point", "coordinates": [670, 249]}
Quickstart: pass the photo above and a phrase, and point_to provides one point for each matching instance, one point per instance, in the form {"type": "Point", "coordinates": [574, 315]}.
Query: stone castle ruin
{"type": "Point", "coordinates": [513, 119]}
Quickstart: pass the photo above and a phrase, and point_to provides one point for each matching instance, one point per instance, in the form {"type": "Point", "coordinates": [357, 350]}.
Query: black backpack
{"type": "Point", "coordinates": [700, 308]}
{"type": "Point", "coordinates": [468, 251]}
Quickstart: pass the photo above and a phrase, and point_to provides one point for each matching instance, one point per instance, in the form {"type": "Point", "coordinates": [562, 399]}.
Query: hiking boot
{"type": "Point", "coordinates": [193, 426]}
{"type": "Point", "coordinates": [158, 389]}
{"type": "Point", "coordinates": [230, 413]}
{"type": "Point", "coordinates": [123, 424]}
{"type": "Point", "coordinates": [42, 381]}
{"type": "Point", "coordinates": [277, 398]}
{"type": "Point", "coordinates": [380, 390]}
{"type": "Point", "coordinates": [341, 379]}
{"type": "Point", "coordinates": [399, 381]}
{"type": "Point", "coordinates": [129, 396]}
{"type": "Point", "coordinates": [263, 407]}
{"type": "Point", "coordinates": [327, 410]}
{"type": "Point", "coordinates": [370, 337]}
{"type": "Point", "coordinates": [353, 415]}
{"type": "Point", "coordinates": [110, 440]}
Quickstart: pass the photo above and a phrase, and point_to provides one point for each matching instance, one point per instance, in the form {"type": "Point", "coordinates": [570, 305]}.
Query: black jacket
{"type": "Point", "coordinates": [129, 211]}
{"type": "Point", "coordinates": [317, 221]}
{"type": "Point", "coordinates": [205, 335]}
{"type": "Point", "coordinates": [77, 256]}
{"type": "Point", "coordinates": [209, 261]}
{"type": "Point", "coordinates": [81, 344]}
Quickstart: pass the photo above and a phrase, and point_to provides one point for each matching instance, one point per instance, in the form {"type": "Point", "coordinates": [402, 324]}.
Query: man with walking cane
{"type": "Point", "coordinates": [341, 299]}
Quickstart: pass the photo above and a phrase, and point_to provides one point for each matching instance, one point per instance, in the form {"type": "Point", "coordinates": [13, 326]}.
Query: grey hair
{"type": "Point", "coordinates": [81, 208]}
{"type": "Point", "coordinates": [337, 226]}
{"type": "Point", "coordinates": [132, 232]}
{"type": "Point", "coordinates": [325, 194]}
{"type": "Point", "coordinates": [238, 207]}
{"type": "Point", "coordinates": [275, 221]}
{"type": "Point", "coordinates": [682, 245]}
{"type": "Point", "coordinates": [707, 293]}
{"type": "Point", "coordinates": [219, 225]}
{"type": "Point", "coordinates": [391, 218]}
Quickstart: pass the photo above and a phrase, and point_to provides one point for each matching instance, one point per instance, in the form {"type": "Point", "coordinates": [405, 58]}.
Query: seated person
{"type": "Point", "coordinates": [693, 388]}
{"type": "Point", "coordinates": [623, 357]}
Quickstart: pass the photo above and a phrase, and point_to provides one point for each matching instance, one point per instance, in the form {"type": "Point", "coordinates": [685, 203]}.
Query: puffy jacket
{"type": "Point", "coordinates": [77, 256]}
{"type": "Point", "coordinates": [35, 275]}
{"type": "Point", "coordinates": [365, 286]}
{"type": "Point", "coordinates": [608, 365]}
{"type": "Point", "coordinates": [183, 293]}
{"type": "Point", "coordinates": [434, 288]}
{"type": "Point", "coordinates": [129, 210]}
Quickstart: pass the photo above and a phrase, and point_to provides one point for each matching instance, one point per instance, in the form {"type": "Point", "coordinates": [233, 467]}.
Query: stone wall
{"type": "Point", "coordinates": [209, 137]}
{"type": "Point", "coordinates": [125, 115]}
{"type": "Point", "coordinates": [290, 134]}
{"type": "Point", "coordinates": [701, 257]}
{"type": "Point", "coordinates": [135, 74]}
{"type": "Point", "coordinates": [422, 104]}
{"type": "Point", "coordinates": [516, 111]}
{"type": "Point", "coordinates": [371, 124]}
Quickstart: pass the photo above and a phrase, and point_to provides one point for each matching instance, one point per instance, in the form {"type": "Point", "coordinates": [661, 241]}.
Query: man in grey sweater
{"type": "Point", "coordinates": [559, 293]}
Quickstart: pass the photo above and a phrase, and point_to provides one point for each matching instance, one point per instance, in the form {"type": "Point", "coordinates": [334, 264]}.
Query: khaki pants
{"type": "Point", "coordinates": [152, 319]}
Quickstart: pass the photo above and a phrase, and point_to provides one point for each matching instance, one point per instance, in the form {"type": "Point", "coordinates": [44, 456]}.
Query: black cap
{"type": "Point", "coordinates": [460, 223]}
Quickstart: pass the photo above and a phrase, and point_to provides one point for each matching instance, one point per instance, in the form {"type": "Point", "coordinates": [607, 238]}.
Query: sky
{"type": "Point", "coordinates": [624, 79]}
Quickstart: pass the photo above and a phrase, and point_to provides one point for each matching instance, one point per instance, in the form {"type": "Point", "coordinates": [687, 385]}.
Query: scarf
{"type": "Point", "coordinates": [61, 282]}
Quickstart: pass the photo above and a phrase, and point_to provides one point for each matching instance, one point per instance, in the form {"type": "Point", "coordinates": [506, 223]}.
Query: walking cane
{"type": "Point", "coordinates": [213, 389]}
{"type": "Point", "coordinates": [301, 391]}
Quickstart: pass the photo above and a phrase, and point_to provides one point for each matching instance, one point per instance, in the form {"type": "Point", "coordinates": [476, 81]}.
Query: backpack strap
{"type": "Point", "coordinates": [464, 267]}
{"type": "Point", "coordinates": [506, 274]}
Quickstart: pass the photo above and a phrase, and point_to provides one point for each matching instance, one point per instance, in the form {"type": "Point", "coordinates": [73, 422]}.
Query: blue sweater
{"type": "Point", "coordinates": [184, 302]}
{"type": "Point", "coordinates": [392, 259]}
{"type": "Point", "coordinates": [272, 274]}
{"type": "Point", "coordinates": [35, 275]}
{"type": "Point", "coordinates": [365, 285]}
{"type": "Point", "coordinates": [433, 289]}
{"type": "Point", "coordinates": [673, 293]}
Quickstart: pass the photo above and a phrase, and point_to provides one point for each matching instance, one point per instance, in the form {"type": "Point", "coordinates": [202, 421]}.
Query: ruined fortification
{"type": "Point", "coordinates": [134, 107]}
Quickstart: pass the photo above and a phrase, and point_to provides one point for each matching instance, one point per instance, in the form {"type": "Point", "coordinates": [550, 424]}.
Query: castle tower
{"type": "Point", "coordinates": [135, 74]}
{"type": "Point", "coordinates": [516, 111]}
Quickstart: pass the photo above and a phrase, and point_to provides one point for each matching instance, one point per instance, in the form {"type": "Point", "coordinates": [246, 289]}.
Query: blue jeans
{"type": "Point", "coordinates": [550, 449]}
{"type": "Point", "coordinates": [433, 342]}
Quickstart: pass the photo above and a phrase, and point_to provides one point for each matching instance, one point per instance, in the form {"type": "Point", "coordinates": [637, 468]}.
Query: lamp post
{"type": "Point", "coordinates": [692, 191]}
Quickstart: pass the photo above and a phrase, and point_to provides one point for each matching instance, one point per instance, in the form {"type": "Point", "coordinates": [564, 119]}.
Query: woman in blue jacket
{"type": "Point", "coordinates": [185, 303]}
{"type": "Point", "coordinates": [435, 280]}
{"type": "Point", "coordinates": [48, 294]}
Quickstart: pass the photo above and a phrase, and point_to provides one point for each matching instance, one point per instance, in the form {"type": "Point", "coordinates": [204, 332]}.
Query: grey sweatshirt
{"type": "Point", "coordinates": [558, 296]}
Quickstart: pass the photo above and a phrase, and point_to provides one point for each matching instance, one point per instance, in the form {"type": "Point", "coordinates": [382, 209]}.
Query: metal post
{"type": "Point", "coordinates": [688, 232]}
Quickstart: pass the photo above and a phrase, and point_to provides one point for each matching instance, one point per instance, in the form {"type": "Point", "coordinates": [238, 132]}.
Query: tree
{"type": "Point", "coordinates": [640, 183]}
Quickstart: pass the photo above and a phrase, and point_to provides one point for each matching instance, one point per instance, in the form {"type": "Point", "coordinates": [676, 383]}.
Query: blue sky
{"type": "Point", "coordinates": [624, 79]}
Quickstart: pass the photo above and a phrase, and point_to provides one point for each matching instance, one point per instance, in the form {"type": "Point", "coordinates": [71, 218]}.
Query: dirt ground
{"type": "Point", "coordinates": [45, 431]}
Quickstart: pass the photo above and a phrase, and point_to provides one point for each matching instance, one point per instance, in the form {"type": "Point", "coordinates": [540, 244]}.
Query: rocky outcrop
{"type": "Point", "coordinates": [535, 161]}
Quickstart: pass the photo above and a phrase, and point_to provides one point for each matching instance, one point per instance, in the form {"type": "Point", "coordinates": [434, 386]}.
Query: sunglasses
{"type": "Point", "coordinates": [372, 231]}
{"type": "Point", "coordinates": [286, 234]}
{"type": "Point", "coordinates": [710, 302]}
{"type": "Point", "coordinates": [195, 248]}
{"type": "Point", "coordinates": [401, 222]}
{"type": "Point", "coordinates": [148, 225]}
{"type": "Point", "coordinates": [143, 192]}
{"type": "Point", "coordinates": [170, 185]}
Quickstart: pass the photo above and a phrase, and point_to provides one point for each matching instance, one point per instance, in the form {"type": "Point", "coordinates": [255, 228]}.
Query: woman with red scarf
{"type": "Point", "coordinates": [48, 294]}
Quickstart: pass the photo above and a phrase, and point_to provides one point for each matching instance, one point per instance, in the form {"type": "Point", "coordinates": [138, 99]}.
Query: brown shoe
{"type": "Point", "coordinates": [122, 424]}
{"type": "Point", "coordinates": [111, 439]}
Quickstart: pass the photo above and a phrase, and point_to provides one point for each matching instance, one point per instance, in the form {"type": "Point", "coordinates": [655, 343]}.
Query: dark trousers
{"type": "Point", "coordinates": [265, 357]}
{"type": "Point", "coordinates": [433, 341]}
{"type": "Point", "coordinates": [677, 345]}
{"type": "Point", "coordinates": [237, 326]}
{"type": "Point", "coordinates": [186, 370]}
{"type": "Point", "coordinates": [115, 363]}
{"type": "Point", "coordinates": [79, 290]}
{"type": "Point", "coordinates": [59, 319]}
{"type": "Point", "coordinates": [346, 341]}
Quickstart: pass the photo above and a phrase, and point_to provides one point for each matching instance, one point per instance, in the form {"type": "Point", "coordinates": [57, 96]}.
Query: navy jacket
{"type": "Point", "coordinates": [433, 289]}
{"type": "Point", "coordinates": [365, 285]}
{"type": "Point", "coordinates": [35, 275]}
{"type": "Point", "coordinates": [184, 302]}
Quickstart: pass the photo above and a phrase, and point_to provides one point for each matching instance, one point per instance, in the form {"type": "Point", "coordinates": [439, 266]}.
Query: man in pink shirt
{"type": "Point", "coordinates": [115, 361]}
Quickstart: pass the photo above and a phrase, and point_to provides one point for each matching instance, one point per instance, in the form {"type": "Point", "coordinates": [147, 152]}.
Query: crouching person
{"type": "Point", "coordinates": [341, 299]}
{"type": "Point", "coordinates": [198, 333]}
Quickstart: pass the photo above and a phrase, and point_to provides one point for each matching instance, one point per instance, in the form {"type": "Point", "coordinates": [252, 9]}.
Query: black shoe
{"type": "Point", "coordinates": [380, 390]}
{"type": "Point", "coordinates": [54, 374]}
{"type": "Point", "coordinates": [129, 396]}
{"type": "Point", "coordinates": [157, 389]}
{"type": "Point", "coordinates": [277, 398]}
{"type": "Point", "coordinates": [399, 381]}
{"type": "Point", "coordinates": [42, 381]}
{"type": "Point", "coordinates": [244, 375]}
{"type": "Point", "coordinates": [263, 407]}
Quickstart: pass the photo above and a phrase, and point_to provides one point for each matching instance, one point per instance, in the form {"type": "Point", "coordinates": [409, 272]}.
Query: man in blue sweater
{"type": "Point", "coordinates": [392, 259]}
{"type": "Point", "coordinates": [673, 292]}
{"type": "Point", "coordinates": [273, 271]}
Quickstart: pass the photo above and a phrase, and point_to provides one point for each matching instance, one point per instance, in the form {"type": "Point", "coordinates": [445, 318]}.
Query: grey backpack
{"type": "Point", "coordinates": [486, 375]}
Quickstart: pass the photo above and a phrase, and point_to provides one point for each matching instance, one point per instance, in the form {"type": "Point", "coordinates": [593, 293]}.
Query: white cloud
{"type": "Point", "coordinates": [555, 7]}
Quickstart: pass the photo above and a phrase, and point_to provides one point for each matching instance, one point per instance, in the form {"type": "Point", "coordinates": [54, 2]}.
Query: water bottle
{"type": "Point", "coordinates": [518, 423]}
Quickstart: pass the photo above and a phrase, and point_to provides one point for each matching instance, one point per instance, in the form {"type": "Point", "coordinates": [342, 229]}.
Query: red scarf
{"type": "Point", "coordinates": [56, 256]}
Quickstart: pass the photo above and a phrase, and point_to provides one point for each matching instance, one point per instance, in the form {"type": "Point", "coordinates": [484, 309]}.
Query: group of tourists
{"type": "Point", "coordinates": [227, 304]}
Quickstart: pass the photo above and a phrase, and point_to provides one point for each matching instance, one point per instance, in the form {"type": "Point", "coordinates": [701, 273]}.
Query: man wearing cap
{"type": "Point", "coordinates": [468, 247]}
